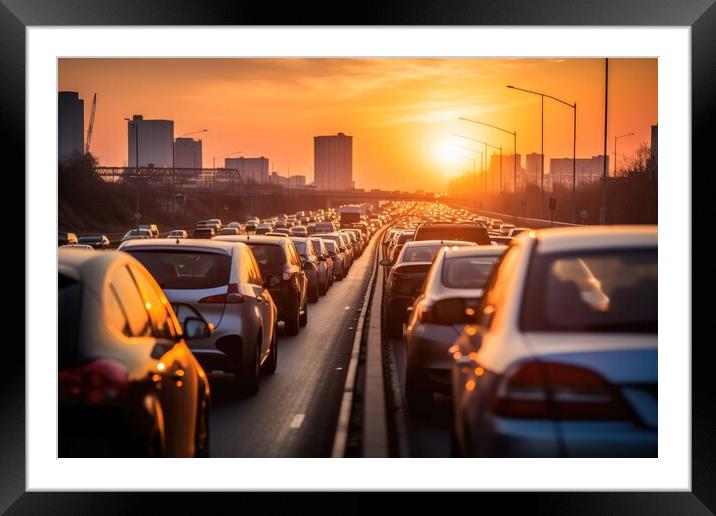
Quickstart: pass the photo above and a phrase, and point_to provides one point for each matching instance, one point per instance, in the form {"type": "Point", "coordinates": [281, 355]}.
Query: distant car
{"type": "Point", "coordinates": [95, 241]}
{"type": "Point", "coordinates": [317, 276]}
{"type": "Point", "coordinates": [452, 231]}
{"type": "Point", "coordinates": [136, 233]}
{"type": "Point", "coordinates": [263, 228]}
{"type": "Point", "coordinates": [216, 223]}
{"type": "Point", "coordinates": [151, 227]}
{"type": "Point", "coordinates": [229, 230]}
{"type": "Point", "coordinates": [65, 237]}
{"type": "Point", "coordinates": [250, 227]}
{"type": "Point", "coordinates": [563, 359]}
{"type": "Point", "coordinates": [506, 228]}
{"type": "Point", "coordinates": [276, 234]}
{"type": "Point", "coordinates": [234, 225]}
{"type": "Point", "coordinates": [299, 231]}
{"type": "Point", "coordinates": [516, 231]}
{"type": "Point", "coordinates": [283, 231]}
{"type": "Point", "coordinates": [338, 259]}
{"type": "Point", "coordinates": [221, 281]}
{"type": "Point", "coordinates": [325, 227]}
{"type": "Point", "coordinates": [406, 277]}
{"type": "Point", "coordinates": [345, 247]}
{"type": "Point", "coordinates": [177, 233]}
{"type": "Point", "coordinates": [447, 302]}
{"type": "Point", "coordinates": [277, 257]}
{"type": "Point", "coordinates": [128, 385]}
{"type": "Point", "coordinates": [203, 232]}
{"type": "Point", "coordinates": [327, 263]}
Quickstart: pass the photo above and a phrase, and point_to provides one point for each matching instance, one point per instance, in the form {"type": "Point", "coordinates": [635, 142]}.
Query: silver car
{"type": "Point", "coordinates": [446, 303]}
{"type": "Point", "coordinates": [222, 281]}
{"type": "Point", "coordinates": [339, 270]}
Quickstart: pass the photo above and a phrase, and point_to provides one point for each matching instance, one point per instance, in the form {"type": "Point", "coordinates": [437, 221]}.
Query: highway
{"type": "Point", "coordinates": [295, 411]}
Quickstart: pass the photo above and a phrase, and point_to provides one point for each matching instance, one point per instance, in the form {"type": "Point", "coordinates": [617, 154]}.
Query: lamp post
{"type": "Point", "coordinates": [574, 149]}
{"type": "Point", "coordinates": [136, 168]}
{"type": "Point", "coordinates": [485, 155]}
{"type": "Point", "coordinates": [514, 157]}
{"type": "Point", "coordinates": [615, 150]}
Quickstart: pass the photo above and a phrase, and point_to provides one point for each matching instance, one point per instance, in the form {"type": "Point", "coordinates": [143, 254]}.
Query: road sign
{"type": "Point", "coordinates": [137, 216]}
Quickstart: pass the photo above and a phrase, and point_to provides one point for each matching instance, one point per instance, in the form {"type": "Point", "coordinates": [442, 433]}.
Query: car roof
{"type": "Point", "coordinates": [260, 239]}
{"type": "Point", "coordinates": [420, 243]}
{"type": "Point", "coordinates": [197, 244]}
{"type": "Point", "coordinates": [592, 237]}
{"type": "Point", "coordinates": [478, 250]}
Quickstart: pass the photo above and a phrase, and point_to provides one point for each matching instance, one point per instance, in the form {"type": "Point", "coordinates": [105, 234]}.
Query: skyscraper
{"type": "Point", "coordinates": [70, 125]}
{"type": "Point", "coordinates": [587, 170]}
{"type": "Point", "coordinates": [333, 162]}
{"type": "Point", "coordinates": [187, 153]}
{"type": "Point", "coordinates": [156, 139]}
{"type": "Point", "coordinates": [250, 169]}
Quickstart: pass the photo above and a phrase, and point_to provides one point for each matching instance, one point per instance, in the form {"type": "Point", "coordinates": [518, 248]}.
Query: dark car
{"type": "Point", "coordinates": [65, 237]}
{"type": "Point", "coordinates": [469, 232]}
{"type": "Point", "coordinates": [204, 232]}
{"type": "Point", "coordinates": [96, 241]}
{"type": "Point", "coordinates": [277, 256]}
{"type": "Point", "coordinates": [311, 263]}
{"type": "Point", "coordinates": [128, 385]}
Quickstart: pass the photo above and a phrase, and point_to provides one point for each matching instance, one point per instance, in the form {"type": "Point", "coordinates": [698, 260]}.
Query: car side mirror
{"type": "Point", "coordinates": [196, 328]}
{"type": "Point", "coordinates": [385, 262]}
{"type": "Point", "coordinates": [271, 281]}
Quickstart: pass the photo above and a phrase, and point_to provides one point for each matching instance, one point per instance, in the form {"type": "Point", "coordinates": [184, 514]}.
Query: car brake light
{"type": "Point", "coordinates": [232, 296]}
{"type": "Point", "coordinates": [425, 313]}
{"type": "Point", "coordinates": [549, 390]}
{"type": "Point", "coordinates": [93, 383]}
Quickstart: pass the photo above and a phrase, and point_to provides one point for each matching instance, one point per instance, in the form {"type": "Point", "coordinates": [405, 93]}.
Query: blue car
{"type": "Point", "coordinates": [562, 361]}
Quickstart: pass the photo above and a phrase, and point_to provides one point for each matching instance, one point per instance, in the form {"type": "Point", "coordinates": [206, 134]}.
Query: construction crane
{"type": "Point", "coordinates": [91, 125]}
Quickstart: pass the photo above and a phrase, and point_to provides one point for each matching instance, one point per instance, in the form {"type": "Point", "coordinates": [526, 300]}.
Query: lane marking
{"type": "Point", "coordinates": [297, 421]}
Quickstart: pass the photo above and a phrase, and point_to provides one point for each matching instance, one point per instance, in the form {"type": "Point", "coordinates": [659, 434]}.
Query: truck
{"type": "Point", "coordinates": [352, 213]}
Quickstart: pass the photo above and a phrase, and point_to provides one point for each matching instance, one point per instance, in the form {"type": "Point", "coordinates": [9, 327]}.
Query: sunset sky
{"type": "Point", "coordinates": [401, 112]}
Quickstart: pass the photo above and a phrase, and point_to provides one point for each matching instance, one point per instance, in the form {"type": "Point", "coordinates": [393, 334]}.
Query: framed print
{"type": "Point", "coordinates": [268, 232]}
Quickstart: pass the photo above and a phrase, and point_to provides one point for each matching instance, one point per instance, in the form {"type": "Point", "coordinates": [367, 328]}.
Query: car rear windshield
{"type": "Point", "coordinates": [613, 291]}
{"type": "Point", "coordinates": [202, 233]}
{"type": "Point", "coordinates": [68, 317]}
{"type": "Point", "coordinates": [475, 234]}
{"type": "Point", "coordinates": [270, 257]}
{"type": "Point", "coordinates": [185, 269]}
{"type": "Point", "coordinates": [467, 271]}
{"type": "Point", "coordinates": [423, 253]}
{"type": "Point", "coordinates": [84, 239]}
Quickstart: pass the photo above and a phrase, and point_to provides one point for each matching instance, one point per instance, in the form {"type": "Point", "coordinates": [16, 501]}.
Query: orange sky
{"type": "Point", "coordinates": [401, 112]}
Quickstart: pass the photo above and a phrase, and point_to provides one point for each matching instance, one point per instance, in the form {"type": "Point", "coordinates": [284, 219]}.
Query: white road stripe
{"type": "Point", "coordinates": [297, 421]}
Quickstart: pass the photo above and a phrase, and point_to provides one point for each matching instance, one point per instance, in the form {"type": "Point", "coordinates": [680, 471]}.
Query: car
{"type": "Point", "coordinates": [79, 246]}
{"type": "Point", "coordinates": [151, 227]}
{"type": "Point", "coordinates": [299, 231]}
{"type": "Point", "coordinates": [234, 225]}
{"type": "Point", "coordinates": [318, 274]}
{"type": "Point", "coordinates": [325, 227]}
{"type": "Point", "coordinates": [128, 384]}
{"type": "Point", "coordinates": [250, 227]}
{"type": "Point", "coordinates": [229, 230]}
{"type": "Point", "coordinates": [65, 237]}
{"type": "Point", "coordinates": [136, 233]}
{"type": "Point", "coordinates": [281, 231]}
{"type": "Point", "coordinates": [327, 263]}
{"type": "Point", "coordinates": [356, 239]}
{"type": "Point", "coordinates": [263, 228]}
{"type": "Point", "coordinates": [396, 245]}
{"type": "Point", "coordinates": [345, 247]}
{"type": "Point", "coordinates": [95, 241]}
{"type": "Point", "coordinates": [470, 232]}
{"type": "Point", "coordinates": [505, 229]}
{"type": "Point", "coordinates": [177, 233]}
{"type": "Point", "coordinates": [215, 223]}
{"type": "Point", "coordinates": [447, 301]}
{"type": "Point", "coordinates": [496, 224]}
{"type": "Point", "coordinates": [277, 257]}
{"type": "Point", "coordinates": [222, 282]}
{"type": "Point", "coordinates": [562, 361]}
{"type": "Point", "coordinates": [406, 277]}
{"type": "Point", "coordinates": [203, 232]}
{"type": "Point", "coordinates": [500, 239]}
{"type": "Point", "coordinates": [516, 231]}
{"type": "Point", "coordinates": [337, 257]}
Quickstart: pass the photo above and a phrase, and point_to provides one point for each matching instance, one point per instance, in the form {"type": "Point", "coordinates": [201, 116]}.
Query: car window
{"type": "Point", "coordinates": [497, 286]}
{"type": "Point", "coordinates": [184, 269]}
{"type": "Point", "coordinates": [125, 288]}
{"type": "Point", "coordinates": [271, 258]}
{"type": "Point", "coordinates": [161, 320]}
{"type": "Point", "coordinates": [467, 271]}
{"type": "Point", "coordinates": [293, 255]}
{"type": "Point", "coordinates": [248, 262]}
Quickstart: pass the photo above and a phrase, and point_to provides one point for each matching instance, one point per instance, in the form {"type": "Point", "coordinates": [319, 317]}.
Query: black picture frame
{"type": "Point", "coordinates": [699, 15]}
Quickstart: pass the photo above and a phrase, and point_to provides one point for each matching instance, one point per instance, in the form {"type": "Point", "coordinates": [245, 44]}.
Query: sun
{"type": "Point", "coordinates": [448, 156]}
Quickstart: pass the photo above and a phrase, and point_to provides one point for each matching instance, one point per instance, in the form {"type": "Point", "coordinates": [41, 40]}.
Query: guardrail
{"type": "Point", "coordinates": [514, 219]}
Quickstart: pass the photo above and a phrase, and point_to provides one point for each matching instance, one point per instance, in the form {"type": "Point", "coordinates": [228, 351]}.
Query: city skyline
{"type": "Point", "coordinates": [401, 112]}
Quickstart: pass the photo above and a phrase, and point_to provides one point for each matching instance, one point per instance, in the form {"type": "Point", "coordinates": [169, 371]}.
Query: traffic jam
{"type": "Point", "coordinates": [514, 341]}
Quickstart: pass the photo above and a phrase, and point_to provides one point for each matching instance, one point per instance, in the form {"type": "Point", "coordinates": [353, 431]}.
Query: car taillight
{"type": "Point", "coordinates": [425, 313]}
{"type": "Point", "coordinates": [549, 390]}
{"type": "Point", "coordinates": [93, 383]}
{"type": "Point", "coordinates": [232, 296]}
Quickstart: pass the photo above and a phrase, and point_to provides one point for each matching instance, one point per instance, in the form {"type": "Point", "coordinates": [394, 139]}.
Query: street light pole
{"type": "Point", "coordinates": [615, 150]}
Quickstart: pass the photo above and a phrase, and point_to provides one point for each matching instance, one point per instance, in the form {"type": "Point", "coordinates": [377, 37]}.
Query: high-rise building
{"type": "Point", "coordinates": [187, 153]}
{"type": "Point", "coordinates": [508, 173]}
{"type": "Point", "coordinates": [70, 125]}
{"type": "Point", "coordinates": [296, 181]}
{"type": "Point", "coordinates": [250, 169]}
{"type": "Point", "coordinates": [156, 139]}
{"type": "Point", "coordinates": [533, 167]}
{"type": "Point", "coordinates": [587, 170]}
{"type": "Point", "coordinates": [333, 162]}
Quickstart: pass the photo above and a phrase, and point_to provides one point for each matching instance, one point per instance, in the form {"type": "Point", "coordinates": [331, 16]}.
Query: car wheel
{"type": "Point", "coordinates": [201, 447]}
{"type": "Point", "coordinates": [303, 319]}
{"type": "Point", "coordinates": [313, 295]}
{"type": "Point", "coordinates": [248, 379]}
{"type": "Point", "coordinates": [291, 325]}
{"type": "Point", "coordinates": [272, 361]}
